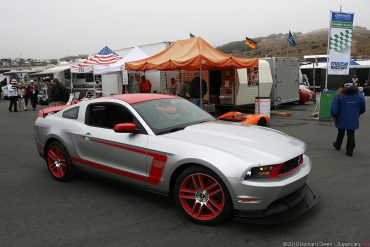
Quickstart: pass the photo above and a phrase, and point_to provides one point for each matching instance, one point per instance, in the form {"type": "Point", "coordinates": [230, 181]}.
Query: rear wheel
{"type": "Point", "coordinates": [202, 196]}
{"type": "Point", "coordinates": [58, 162]}
{"type": "Point", "coordinates": [262, 122]}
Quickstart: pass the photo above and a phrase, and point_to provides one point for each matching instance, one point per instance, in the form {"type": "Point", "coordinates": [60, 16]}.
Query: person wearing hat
{"type": "Point", "coordinates": [13, 95]}
{"type": "Point", "coordinates": [32, 92]}
{"type": "Point", "coordinates": [346, 108]}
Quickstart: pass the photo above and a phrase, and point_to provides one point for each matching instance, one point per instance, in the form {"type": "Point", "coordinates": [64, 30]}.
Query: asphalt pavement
{"type": "Point", "coordinates": [35, 210]}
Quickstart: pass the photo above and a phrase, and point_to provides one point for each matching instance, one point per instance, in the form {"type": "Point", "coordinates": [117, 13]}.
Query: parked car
{"type": "Point", "coordinates": [213, 169]}
{"type": "Point", "coordinates": [306, 94]}
{"type": "Point", "coordinates": [5, 91]}
{"type": "Point", "coordinates": [255, 119]}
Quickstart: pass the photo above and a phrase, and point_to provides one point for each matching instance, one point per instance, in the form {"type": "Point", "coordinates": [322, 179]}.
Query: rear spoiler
{"type": "Point", "coordinates": [51, 110]}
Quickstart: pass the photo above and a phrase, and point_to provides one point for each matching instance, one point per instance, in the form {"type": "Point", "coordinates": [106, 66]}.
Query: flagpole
{"type": "Point", "coordinates": [245, 48]}
{"type": "Point", "coordinates": [287, 49]}
{"type": "Point", "coordinates": [327, 54]}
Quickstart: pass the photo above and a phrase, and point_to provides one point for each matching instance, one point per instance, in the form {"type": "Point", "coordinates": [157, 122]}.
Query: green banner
{"type": "Point", "coordinates": [326, 98]}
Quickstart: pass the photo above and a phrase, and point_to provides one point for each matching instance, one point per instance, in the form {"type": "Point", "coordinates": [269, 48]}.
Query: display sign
{"type": "Point", "coordinates": [340, 42]}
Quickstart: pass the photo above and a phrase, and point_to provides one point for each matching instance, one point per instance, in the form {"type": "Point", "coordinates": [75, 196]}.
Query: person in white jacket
{"type": "Point", "coordinates": [13, 95]}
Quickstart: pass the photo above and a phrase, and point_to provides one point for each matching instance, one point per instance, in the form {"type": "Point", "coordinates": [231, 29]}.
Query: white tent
{"type": "Point", "coordinates": [134, 55]}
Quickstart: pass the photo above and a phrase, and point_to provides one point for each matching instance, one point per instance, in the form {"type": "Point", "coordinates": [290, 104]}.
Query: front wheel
{"type": "Point", "coordinates": [202, 196]}
{"type": "Point", "coordinates": [58, 162]}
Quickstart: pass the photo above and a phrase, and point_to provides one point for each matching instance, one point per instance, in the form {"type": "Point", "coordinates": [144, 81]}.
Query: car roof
{"type": "Point", "coordinates": [140, 97]}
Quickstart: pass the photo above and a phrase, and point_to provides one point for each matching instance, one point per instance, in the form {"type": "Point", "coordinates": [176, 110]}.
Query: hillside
{"type": "Point", "coordinates": [312, 43]}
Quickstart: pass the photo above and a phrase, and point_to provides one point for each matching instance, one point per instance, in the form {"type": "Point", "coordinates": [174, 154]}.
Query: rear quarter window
{"type": "Point", "coordinates": [71, 113]}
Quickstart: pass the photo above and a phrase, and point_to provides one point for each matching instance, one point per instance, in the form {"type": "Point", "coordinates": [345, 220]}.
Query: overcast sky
{"type": "Point", "coordinates": [56, 28]}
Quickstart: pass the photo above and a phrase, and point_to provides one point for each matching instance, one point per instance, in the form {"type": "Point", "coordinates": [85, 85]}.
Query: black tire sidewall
{"type": "Point", "coordinates": [70, 170]}
{"type": "Point", "coordinates": [262, 122]}
{"type": "Point", "coordinates": [228, 206]}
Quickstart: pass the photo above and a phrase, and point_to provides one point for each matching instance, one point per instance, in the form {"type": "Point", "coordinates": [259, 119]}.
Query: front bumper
{"type": "Point", "coordinates": [284, 209]}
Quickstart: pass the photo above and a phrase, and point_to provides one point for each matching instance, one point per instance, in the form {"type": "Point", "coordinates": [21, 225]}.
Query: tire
{"type": "Point", "coordinates": [207, 202]}
{"type": "Point", "coordinates": [58, 162]}
{"type": "Point", "coordinates": [262, 122]}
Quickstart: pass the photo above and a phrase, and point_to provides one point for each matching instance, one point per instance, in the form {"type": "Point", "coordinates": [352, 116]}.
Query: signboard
{"type": "Point", "coordinates": [340, 42]}
{"type": "Point", "coordinates": [326, 98]}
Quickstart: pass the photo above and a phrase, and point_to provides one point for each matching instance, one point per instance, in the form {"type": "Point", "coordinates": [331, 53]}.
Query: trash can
{"type": "Point", "coordinates": [262, 105]}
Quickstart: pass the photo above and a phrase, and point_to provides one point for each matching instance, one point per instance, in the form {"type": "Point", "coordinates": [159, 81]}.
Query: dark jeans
{"type": "Point", "coordinates": [13, 101]}
{"type": "Point", "coordinates": [33, 99]}
{"type": "Point", "coordinates": [350, 140]}
{"type": "Point", "coordinates": [26, 97]}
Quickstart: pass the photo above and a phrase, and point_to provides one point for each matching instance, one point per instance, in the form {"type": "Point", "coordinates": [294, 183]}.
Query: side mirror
{"type": "Point", "coordinates": [125, 128]}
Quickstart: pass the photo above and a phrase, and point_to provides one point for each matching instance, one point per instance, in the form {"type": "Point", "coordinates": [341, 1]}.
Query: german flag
{"type": "Point", "coordinates": [251, 43]}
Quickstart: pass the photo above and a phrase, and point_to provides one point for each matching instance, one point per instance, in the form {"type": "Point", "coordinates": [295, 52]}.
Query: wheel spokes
{"type": "Point", "coordinates": [187, 190]}
{"type": "Point", "coordinates": [52, 155]}
{"type": "Point", "coordinates": [201, 181]}
{"type": "Point", "coordinates": [214, 192]}
{"type": "Point", "coordinates": [192, 197]}
{"type": "Point", "coordinates": [194, 178]}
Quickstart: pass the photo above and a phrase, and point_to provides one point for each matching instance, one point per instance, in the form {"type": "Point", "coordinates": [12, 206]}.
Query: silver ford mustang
{"type": "Point", "coordinates": [213, 169]}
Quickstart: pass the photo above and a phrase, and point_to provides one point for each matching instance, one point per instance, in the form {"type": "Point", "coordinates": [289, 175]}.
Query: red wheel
{"type": "Point", "coordinates": [202, 196]}
{"type": "Point", "coordinates": [58, 162]}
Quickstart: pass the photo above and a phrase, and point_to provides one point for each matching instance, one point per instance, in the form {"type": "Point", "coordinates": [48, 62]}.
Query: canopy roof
{"type": "Point", "coordinates": [191, 54]}
{"type": "Point", "coordinates": [104, 57]}
{"type": "Point", "coordinates": [135, 54]}
{"type": "Point", "coordinates": [52, 70]}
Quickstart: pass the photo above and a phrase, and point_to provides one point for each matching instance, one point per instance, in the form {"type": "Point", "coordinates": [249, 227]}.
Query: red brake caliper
{"type": "Point", "coordinates": [201, 196]}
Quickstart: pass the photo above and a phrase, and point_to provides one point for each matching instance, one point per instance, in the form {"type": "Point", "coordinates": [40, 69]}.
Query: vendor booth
{"type": "Point", "coordinates": [110, 73]}
{"type": "Point", "coordinates": [84, 81]}
{"type": "Point", "coordinates": [219, 69]}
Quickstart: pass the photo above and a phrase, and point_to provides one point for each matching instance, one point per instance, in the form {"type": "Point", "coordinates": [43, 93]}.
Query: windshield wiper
{"type": "Point", "coordinates": [171, 130]}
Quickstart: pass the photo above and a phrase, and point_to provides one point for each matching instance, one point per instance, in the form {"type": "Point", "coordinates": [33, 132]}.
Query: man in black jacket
{"type": "Point", "coordinates": [57, 94]}
{"type": "Point", "coordinates": [194, 90]}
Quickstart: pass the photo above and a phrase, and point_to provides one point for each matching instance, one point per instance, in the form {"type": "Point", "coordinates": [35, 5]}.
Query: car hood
{"type": "Point", "coordinates": [262, 145]}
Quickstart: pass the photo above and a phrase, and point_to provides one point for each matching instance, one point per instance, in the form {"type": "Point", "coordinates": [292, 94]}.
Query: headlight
{"type": "Point", "coordinates": [262, 171]}
{"type": "Point", "coordinates": [272, 171]}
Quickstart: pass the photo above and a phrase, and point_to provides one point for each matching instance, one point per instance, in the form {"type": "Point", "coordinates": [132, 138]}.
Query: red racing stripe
{"type": "Point", "coordinates": [109, 169]}
{"type": "Point", "coordinates": [156, 169]}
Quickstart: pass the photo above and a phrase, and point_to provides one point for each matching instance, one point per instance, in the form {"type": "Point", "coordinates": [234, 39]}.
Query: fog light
{"type": "Point", "coordinates": [248, 199]}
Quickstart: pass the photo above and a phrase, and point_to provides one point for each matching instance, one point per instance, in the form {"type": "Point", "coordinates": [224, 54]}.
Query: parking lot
{"type": "Point", "coordinates": [35, 210]}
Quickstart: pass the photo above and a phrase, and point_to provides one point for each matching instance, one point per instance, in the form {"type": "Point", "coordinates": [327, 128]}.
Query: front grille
{"type": "Point", "coordinates": [290, 165]}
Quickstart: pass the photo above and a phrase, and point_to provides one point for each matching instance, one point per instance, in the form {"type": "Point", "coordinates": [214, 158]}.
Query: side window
{"type": "Point", "coordinates": [71, 113]}
{"type": "Point", "coordinates": [106, 115]}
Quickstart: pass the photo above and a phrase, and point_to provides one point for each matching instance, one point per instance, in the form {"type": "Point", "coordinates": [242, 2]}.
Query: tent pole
{"type": "Point", "coordinates": [71, 86]}
{"type": "Point", "coordinates": [200, 83]}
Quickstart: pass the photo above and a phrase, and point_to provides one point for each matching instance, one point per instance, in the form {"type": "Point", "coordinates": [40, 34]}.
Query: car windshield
{"type": "Point", "coordinates": [169, 115]}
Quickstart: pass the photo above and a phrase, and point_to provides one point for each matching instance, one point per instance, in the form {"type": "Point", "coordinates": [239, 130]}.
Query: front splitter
{"type": "Point", "coordinates": [285, 210]}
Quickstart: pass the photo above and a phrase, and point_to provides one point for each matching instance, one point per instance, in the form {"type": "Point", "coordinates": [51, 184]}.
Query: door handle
{"type": "Point", "coordinates": [87, 136]}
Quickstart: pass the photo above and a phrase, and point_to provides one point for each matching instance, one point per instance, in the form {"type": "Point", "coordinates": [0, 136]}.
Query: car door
{"type": "Point", "coordinates": [102, 148]}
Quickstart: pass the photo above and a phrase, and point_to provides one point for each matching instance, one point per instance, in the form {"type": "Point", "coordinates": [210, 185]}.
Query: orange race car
{"type": "Point", "coordinates": [255, 119]}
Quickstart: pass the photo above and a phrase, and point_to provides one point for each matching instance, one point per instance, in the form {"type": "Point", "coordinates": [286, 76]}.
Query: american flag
{"type": "Point", "coordinates": [104, 57]}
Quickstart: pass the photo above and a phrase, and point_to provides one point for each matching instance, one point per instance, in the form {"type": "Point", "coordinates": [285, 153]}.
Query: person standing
{"type": "Point", "coordinates": [145, 85]}
{"type": "Point", "coordinates": [49, 88]}
{"type": "Point", "coordinates": [183, 89]}
{"type": "Point", "coordinates": [21, 101]}
{"type": "Point", "coordinates": [13, 95]}
{"type": "Point", "coordinates": [194, 90]}
{"type": "Point", "coordinates": [32, 92]}
{"type": "Point", "coordinates": [135, 88]}
{"type": "Point", "coordinates": [346, 108]}
{"type": "Point", "coordinates": [57, 95]}
{"type": "Point", "coordinates": [173, 86]}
